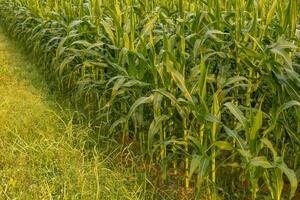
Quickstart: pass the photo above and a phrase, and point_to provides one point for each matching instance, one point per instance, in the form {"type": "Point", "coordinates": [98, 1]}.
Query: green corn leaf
{"type": "Point", "coordinates": [291, 175]}
{"type": "Point", "coordinates": [234, 80]}
{"type": "Point", "coordinates": [197, 143]}
{"type": "Point", "coordinates": [118, 84]}
{"type": "Point", "coordinates": [149, 25]}
{"type": "Point", "coordinates": [237, 113]}
{"type": "Point", "coordinates": [269, 144]}
{"type": "Point", "coordinates": [200, 165]}
{"type": "Point", "coordinates": [65, 63]}
{"type": "Point", "coordinates": [202, 79]}
{"type": "Point", "coordinates": [137, 103]}
{"type": "Point", "coordinates": [260, 161]}
{"type": "Point", "coordinates": [288, 105]}
{"type": "Point", "coordinates": [154, 129]}
{"type": "Point", "coordinates": [179, 80]}
{"type": "Point", "coordinates": [258, 120]}
{"type": "Point", "coordinates": [245, 154]}
{"type": "Point", "coordinates": [197, 47]}
{"type": "Point", "coordinates": [285, 107]}
{"type": "Point", "coordinates": [223, 145]}
{"type": "Point", "coordinates": [167, 94]}
{"type": "Point", "coordinates": [173, 99]}
{"type": "Point", "coordinates": [109, 31]}
{"type": "Point", "coordinates": [271, 12]}
{"type": "Point", "coordinates": [234, 134]}
{"type": "Point", "coordinates": [157, 101]}
{"type": "Point", "coordinates": [118, 122]}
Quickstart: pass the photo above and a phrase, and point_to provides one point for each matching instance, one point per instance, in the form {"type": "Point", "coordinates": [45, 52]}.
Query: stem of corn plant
{"type": "Point", "coordinates": [186, 148]}
{"type": "Point", "coordinates": [216, 112]}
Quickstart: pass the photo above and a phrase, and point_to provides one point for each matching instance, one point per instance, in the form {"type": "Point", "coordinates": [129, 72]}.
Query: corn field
{"type": "Point", "coordinates": [207, 90]}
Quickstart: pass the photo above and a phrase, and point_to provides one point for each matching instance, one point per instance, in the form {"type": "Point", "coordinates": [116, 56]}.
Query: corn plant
{"type": "Point", "coordinates": [199, 86]}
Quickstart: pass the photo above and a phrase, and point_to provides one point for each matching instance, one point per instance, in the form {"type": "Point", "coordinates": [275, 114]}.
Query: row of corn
{"type": "Point", "coordinates": [207, 89]}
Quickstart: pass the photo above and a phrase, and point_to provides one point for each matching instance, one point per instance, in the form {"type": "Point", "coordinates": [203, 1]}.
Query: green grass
{"type": "Point", "coordinates": [192, 89]}
{"type": "Point", "coordinates": [43, 154]}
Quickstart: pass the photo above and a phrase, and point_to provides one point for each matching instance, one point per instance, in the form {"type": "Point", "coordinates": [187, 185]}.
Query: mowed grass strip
{"type": "Point", "coordinates": [38, 158]}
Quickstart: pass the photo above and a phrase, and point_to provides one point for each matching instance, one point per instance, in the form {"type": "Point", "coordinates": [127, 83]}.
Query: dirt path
{"type": "Point", "coordinates": [41, 154]}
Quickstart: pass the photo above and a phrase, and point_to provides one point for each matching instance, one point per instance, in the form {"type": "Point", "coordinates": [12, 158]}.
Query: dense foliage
{"type": "Point", "coordinates": [203, 88]}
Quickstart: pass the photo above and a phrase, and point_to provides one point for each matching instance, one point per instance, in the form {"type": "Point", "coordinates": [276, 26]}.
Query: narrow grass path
{"type": "Point", "coordinates": [42, 155]}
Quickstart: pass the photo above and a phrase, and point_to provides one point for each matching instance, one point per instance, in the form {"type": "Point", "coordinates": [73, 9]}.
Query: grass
{"type": "Point", "coordinates": [43, 153]}
{"type": "Point", "coordinates": [195, 88]}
